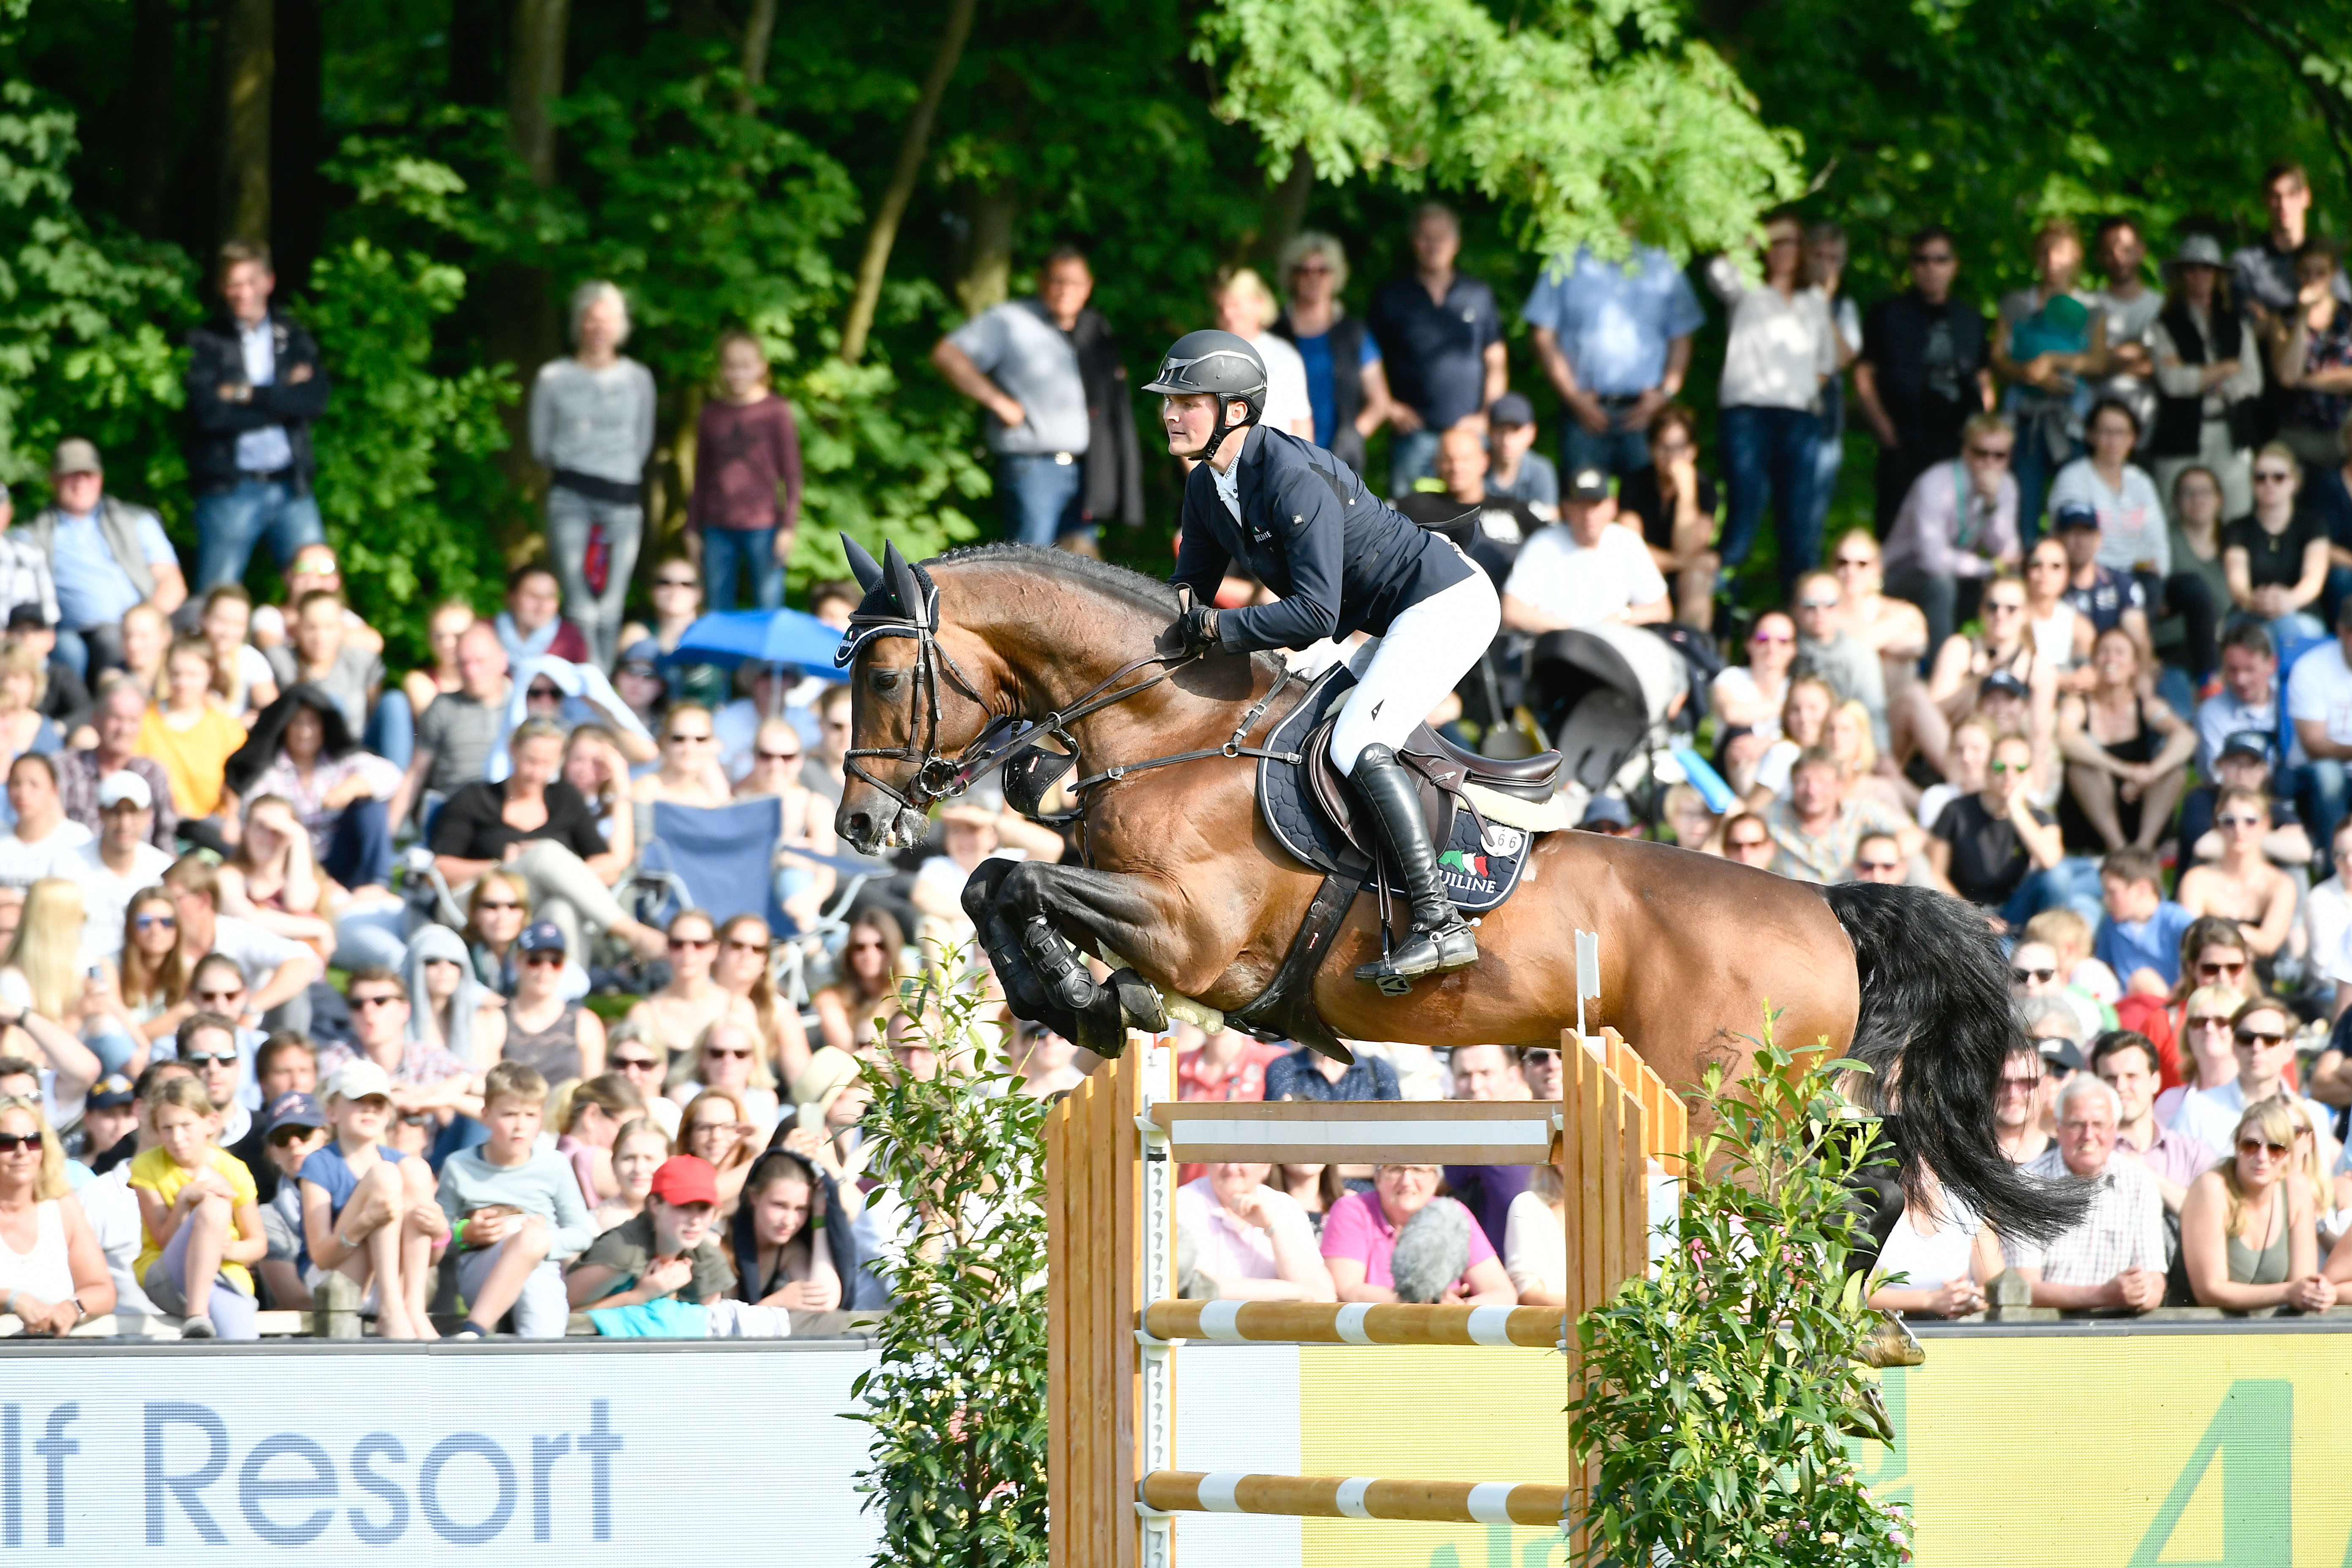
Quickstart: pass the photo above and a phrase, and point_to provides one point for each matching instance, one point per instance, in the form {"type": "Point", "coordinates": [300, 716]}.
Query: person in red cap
{"type": "Point", "coordinates": [670, 1249]}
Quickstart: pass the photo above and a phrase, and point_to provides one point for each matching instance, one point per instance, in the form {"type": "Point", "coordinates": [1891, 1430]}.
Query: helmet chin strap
{"type": "Point", "coordinates": [1220, 430]}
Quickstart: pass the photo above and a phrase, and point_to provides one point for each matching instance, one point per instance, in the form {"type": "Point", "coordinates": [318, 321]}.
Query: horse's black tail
{"type": "Point", "coordinates": [1937, 1024]}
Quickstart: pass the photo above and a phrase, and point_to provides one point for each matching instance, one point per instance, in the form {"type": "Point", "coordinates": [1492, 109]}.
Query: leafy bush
{"type": "Point", "coordinates": [1712, 1396]}
{"type": "Point", "coordinates": [957, 1403]}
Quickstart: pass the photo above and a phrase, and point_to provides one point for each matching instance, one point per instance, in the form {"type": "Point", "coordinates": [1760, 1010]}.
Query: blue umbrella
{"type": "Point", "coordinates": [730, 637]}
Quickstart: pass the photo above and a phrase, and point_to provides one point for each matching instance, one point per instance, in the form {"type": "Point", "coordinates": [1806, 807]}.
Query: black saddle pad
{"type": "Point", "coordinates": [1481, 868]}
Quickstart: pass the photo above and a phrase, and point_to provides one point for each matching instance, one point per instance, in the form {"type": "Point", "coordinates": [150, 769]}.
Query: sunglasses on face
{"type": "Point", "coordinates": [385, 1000]}
{"type": "Point", "coordinates": [286, 1137]}
{"type": "Point", "coordinates": [2264, 1038]}
{"type": "Point", "coordinates": [542, 959]}
{"type": "Point", "coordinates": [2271, 476]}
{"type": "Point", "coordinates": [633, 1064]}
{"type": "Point", "coordinates": [1989, 454]}
{"type": "Point", "coordinates": [202, 1060]}
{"type": "Point", "coordinates": [675, 583]}
{"type": "Point", "coordinates": [1933, 258]}
{"type": "Point", "coordinates": [2032, 976]}
{"type": "Point", "coordinates": [742, 1055]}
{"type": "Point", "coordinates": [2216, 1022]}
{"type": "Point", "coordinates": [2011, 1080]}
{"type": "Point", "coordinates": [489, 908]}
{"type": "Point", "coordinates": [545, 694]}
{"type": "Point", "coordinates": [736, 945]}
{"type": "Point", "coordinates": [692, 943]}
{"type": "Point", "coordinates": [12, 1142]}
{"type": "Point", "coordinates": [687, 739]}
{"type": "Point", "coordinates": [151, 923]}
{"type": "Point", "coordinates": [223, 997]}
{"type": "Point", "coordinates": [2000, 767]}
{"type": "Point", "coordinates": [2208, 970]}
{"type": "Point", "coordinates": [2250, 1147]}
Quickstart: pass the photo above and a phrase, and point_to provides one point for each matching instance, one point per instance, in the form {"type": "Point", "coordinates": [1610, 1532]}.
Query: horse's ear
{"type": "Point", "coordinates": [862, 566]}
{"type": "Point", "coordinates": [904, 586]}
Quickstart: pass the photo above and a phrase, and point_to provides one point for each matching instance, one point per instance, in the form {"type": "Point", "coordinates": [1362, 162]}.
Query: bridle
{"type": "Point", "coordinates": [938, 776]}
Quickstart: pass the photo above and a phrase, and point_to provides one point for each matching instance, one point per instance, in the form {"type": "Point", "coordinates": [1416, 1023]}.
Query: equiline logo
{"type": "Point", "coordinates": [1465, 871]}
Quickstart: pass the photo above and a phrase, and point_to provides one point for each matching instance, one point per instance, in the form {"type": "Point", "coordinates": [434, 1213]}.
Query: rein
{"type": "Point", "coordinates": [938, 777]}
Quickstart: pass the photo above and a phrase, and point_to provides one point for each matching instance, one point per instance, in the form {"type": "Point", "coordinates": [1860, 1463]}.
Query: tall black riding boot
{"type": "Point", "coordinates": [1440, 940]}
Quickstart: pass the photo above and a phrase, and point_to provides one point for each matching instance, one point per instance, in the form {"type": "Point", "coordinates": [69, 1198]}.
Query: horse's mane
{"type": "Point", "coordinates": [1133, 588]}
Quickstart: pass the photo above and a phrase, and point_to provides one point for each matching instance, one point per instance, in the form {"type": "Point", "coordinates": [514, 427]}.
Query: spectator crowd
{"type": "Point", "coordinates": [455, 984]}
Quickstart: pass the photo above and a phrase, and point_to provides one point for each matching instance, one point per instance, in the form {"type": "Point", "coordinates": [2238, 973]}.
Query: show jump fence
{"type": "Point", "coordinates": [1112, 1148]}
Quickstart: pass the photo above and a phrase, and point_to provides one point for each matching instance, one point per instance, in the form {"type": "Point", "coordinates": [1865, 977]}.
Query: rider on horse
{"type": "Point", "coordinates": [1300, 522]}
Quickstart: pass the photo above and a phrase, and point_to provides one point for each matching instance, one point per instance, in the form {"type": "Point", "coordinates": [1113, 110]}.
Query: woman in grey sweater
{"type": "Point", "coordinates": [592, 425]}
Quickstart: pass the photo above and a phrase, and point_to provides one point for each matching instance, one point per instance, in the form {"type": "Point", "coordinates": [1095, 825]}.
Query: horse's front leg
{"type": "Point", "coordinates": [999, 932]}
{"type": "Point", "coordinates": [1121, 910]}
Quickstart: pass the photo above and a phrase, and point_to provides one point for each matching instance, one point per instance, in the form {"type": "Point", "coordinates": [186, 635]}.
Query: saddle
{"type": "Point", "coordinates": [1313, 812]}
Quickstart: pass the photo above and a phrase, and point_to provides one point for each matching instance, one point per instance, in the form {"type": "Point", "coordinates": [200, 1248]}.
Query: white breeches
{"type": "Point", "coordinates": [1403, 676]}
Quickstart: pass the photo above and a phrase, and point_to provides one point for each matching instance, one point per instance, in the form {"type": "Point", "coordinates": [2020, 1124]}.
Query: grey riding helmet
{"type": "Point", "coordinates": [1220, 364]}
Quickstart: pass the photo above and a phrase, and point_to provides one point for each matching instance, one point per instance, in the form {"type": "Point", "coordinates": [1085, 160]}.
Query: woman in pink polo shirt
{"type": "Point", "coordinates": [1361, 1234]}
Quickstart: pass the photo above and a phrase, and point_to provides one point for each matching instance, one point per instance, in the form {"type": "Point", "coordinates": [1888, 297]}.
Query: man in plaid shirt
{"type": "Point", "coordinates": [2115, 1259]}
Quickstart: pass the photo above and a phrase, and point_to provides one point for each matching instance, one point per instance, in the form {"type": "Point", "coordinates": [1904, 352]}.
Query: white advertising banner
{"type": "Point", "coordinates": [221, 1454]}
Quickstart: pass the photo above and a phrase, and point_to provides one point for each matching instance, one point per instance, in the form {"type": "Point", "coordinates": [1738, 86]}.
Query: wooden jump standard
{"type": "Point", "coordinates": [1112, 1147]}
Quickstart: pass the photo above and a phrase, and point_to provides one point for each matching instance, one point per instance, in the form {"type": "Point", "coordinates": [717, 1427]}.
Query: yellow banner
{"type": "Point", "coordinates": [2149, 1450]}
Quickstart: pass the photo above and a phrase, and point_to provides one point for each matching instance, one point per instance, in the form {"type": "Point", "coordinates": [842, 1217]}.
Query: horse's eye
{"type": "Point", "coordinates": [885, 681]}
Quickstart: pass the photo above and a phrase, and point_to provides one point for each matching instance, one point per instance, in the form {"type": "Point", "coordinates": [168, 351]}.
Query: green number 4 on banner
{"type": "Point", "coordinates": [2253, 1432]}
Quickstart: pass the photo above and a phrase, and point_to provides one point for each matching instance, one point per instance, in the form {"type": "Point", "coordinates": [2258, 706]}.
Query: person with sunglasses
{"type": "Point", "coordinates": [689, 773]}
{"type": "Point", "coordinates": [1747, 840]}
{"type": "Point", "coordinates": [2262, 1036]}
{"type": "Point", "coordinates": [1753, 694]}
{"type": "Point", "coordinates": [554, 1034]}
{"type": "Point", "coordinates": [426, 1079]}
{"type": "Point", "coordinates": [2241, 884]}
{"type": "Point", "coordinates": [1966, 672]}
{"type": "Point", "coordinates": [645, 1067]}
{"type": "Point", "coordinates": [1674, 503]}
{"type": "Point", "coordinates": [2037, 973]}
{"type": "Point", "coordinates": [806, 821]}
{"type": "Point", "coordinates": [1956, 529]}
{"type": "Point", "coordinates": [673, 1018]}
{"type": "Point", "coordinates": [2276, 555]}
{"type": "Point", "coordinates": [53, 1272]}
{"type": "Point", "coordinates": [1895, 629]}
{"type": "Point", "coordinates": [1923, 370]}
{"type": "Point", "coordinates": [2248, 1237]}
{"type": "Point", "coordinates": [1984, 845]}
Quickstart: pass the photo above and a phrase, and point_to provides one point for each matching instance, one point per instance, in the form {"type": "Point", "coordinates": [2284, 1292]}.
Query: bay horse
{"type": "Point", "coordinates": [1179, 877]}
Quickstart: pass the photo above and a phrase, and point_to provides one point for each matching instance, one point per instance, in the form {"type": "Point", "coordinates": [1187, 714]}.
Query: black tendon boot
{"type": "Point", "coordinates": [1440, 940]}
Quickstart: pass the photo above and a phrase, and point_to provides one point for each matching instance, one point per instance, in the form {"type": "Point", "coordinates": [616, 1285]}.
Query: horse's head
{"type": "Point", "coordinates": [911, 707]}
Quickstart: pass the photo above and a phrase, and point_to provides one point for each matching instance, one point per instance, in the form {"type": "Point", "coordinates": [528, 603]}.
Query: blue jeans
{"type": "Point", "coordinates": [391, 730]}
{"type": "Point", "coordinates": [1829, 457]}
{"type": "Point", "coordinates": [2073, 884]}
{"type": "Point", "coordinates": [1619, 452]}
{"type": "Point", "coordinates": [230, 522]}
{"type": "Point", "coordinates": [2034, 467]}
{"type": "Point", "coordinates": [359, 850]}
{"type": "Point", "coordinates": [1412, 455]}
{"type": "Point", "coordinates": [751, 551]}
{"type": "Point", "coordinates": [1769, 456]}
{"type": "Point", "coordinates": [1041, 495]}
{"type": "Point", "coordinates": [2318, 788]}
{"type": "Point", "coordinates": [571, 518]}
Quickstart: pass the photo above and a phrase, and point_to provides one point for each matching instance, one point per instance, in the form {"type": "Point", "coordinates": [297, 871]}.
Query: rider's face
{"type": "Point", "coordinates": [1188, 417]}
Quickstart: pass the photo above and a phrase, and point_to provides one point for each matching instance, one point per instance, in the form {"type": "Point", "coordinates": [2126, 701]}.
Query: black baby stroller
{"type": "Point", "coordinates": [1606, 698]}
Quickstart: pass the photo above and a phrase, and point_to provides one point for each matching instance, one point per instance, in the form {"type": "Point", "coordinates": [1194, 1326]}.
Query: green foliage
{"type": "Point", "coordinates": [1586, 119]}
{"type": "Point", "coordinates": [87, 317]}
{"type": "Point", "coordinates": [1989, 115]}
{"type": "Point", "coordinates": [958, 1402]}
{"type": "Point", "coordinates": [1714, 1394]}
{"type": "Point", "coordinates": [393, 430]}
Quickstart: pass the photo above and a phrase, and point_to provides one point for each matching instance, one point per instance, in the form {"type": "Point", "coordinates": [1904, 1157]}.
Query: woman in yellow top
{"type": "Point", "coordinates": [201, 1218]}
{"type": "Point", "coordinates": [189, 732]}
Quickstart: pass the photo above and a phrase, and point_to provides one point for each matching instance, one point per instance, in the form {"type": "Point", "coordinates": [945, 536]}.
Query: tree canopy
{"type": "Point", "coordinates": [436, 175]}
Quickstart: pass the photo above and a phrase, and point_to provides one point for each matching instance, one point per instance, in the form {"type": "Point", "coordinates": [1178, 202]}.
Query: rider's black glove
{"type": "Point", "coordinates": [1196, 629]}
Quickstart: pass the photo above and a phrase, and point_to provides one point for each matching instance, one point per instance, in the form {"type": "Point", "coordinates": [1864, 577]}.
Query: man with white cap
{"type": "Point", "coordinates": [118, 863]}
{"type": "Point", "coordinates": [105, 556]}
